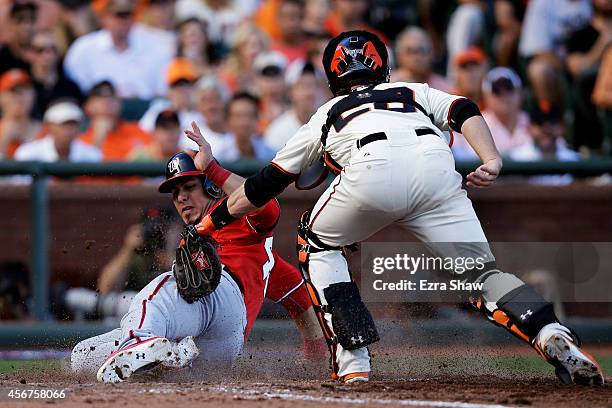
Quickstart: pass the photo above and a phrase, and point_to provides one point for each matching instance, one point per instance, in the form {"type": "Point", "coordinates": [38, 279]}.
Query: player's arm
{"type": "Point", "coordinates": [205, 162]}
{"type": "Point", "coordinates": [460, 114]}
{"type": "Point", "coordinates": [478, 135]}
{"type": "Point", "coordinates": [299, 152]}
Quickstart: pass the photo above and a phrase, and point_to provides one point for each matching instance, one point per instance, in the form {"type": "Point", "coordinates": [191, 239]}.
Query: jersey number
{"type": "Point", "coordinates": [267, 267]}
{"type": "Point", "coordinates": [399, 99]}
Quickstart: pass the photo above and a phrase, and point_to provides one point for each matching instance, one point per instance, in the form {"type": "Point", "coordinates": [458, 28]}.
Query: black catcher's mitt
{"type": "Point", "coordinates": [197, 268]}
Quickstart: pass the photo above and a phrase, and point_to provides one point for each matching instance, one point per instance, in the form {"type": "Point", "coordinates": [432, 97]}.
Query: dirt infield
{"type": "Point", "coordinates": [425, 377]}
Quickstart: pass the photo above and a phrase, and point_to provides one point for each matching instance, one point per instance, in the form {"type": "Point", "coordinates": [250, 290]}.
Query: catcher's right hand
{"type": "Point", "coordinates": [197, 267]}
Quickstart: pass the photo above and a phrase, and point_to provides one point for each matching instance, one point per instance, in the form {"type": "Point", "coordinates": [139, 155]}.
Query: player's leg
{"type": "Point", "coordinates": [356, 205]}
{"type": "Point", "coordinates": [287, 288]}
{"type": "Point", "coordinates": [160, 326]}
{"type": "Point", "coordinates": [88, 355]}
{"type": "Point", "coordinates": [450, 226]}
{"type": "Point", "coordinates": [223, 331]}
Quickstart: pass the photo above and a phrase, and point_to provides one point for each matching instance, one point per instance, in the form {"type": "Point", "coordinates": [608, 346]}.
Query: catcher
{"type": "Point", "coordinates": [394, 166]}
{"type": "Point", "coordinates": [213, 295]}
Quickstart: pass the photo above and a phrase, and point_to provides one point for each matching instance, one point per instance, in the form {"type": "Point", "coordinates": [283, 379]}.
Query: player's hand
{"type": "Point", "coordinates": [204, 156]}
{"type": "Point", "coordinates": [485, 174]}
{"type": "Point", "coordinates": [134, 238]}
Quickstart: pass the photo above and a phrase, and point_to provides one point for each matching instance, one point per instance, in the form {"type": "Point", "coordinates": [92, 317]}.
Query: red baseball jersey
{"type": "Point", "coordinates": [245, 247]}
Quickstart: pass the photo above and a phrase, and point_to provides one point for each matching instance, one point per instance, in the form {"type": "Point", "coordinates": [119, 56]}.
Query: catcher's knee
{"type": "Point", "coordinates": [509, 302]}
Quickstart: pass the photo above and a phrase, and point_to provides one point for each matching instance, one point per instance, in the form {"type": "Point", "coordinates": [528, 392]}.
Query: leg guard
{"type": "Point", "coordinates": [512, 304]}
{"type": "Point", "coordinates": [351, 319]}
{"type": "Point", "coordinates": [354, 325]}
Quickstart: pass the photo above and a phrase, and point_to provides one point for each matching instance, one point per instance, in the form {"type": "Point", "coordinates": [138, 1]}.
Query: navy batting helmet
{"type": "Point", "coordinates": [179, 167]}
{"type": "Point", "coordinates": [355, 58]}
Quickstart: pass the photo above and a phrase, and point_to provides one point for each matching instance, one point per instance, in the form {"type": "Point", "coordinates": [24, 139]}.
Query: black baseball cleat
{"type": "Point", "coordinates": [561, 348]}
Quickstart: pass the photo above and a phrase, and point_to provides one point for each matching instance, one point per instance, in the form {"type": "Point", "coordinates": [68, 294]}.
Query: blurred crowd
{"type": "Point", "coordinates": [119, 80]}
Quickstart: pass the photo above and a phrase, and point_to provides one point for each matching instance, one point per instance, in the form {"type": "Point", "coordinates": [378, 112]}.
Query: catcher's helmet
{"type": "Point", "coordinates": [181, 165]}
{"type": "Point", "coordinates": [355, 58]}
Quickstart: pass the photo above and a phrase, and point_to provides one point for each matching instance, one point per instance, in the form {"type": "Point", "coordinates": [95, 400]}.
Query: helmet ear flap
{"type": "Point", "coordinates": [211, 189]}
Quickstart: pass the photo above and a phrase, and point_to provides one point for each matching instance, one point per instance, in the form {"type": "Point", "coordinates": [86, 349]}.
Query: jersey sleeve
{"type": "Point", "coordinates": [301, 150]}
{"type": "Point", "coordinates": [265, 219]}
{"type": "Point", "coordinates": [438, 104]}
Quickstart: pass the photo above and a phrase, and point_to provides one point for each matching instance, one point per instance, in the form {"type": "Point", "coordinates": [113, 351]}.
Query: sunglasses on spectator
{"type": "Point", "coordinates": [416, 50]}
{"type": "Point", "coordinates": [123, 14]}
{"type": "Point", "coordinates": [44, 48]}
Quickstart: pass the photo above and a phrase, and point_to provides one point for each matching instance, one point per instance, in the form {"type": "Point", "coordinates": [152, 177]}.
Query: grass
{"type": "Point", "coordinates": [28, 366]}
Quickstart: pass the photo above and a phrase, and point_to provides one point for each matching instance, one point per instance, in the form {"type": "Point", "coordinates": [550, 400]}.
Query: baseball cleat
{"type": "Point", "coordinates": [184, 352]}
{"type": "Point", "coordinates": [353, 378]}
{"type": "Point", "coordinates": [135, 358]}
{"type": "Point", "coordinates": [560, 347]}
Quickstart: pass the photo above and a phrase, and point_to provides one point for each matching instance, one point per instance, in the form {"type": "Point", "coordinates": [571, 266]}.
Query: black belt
{"type": "Point", "coordinates": [382, 136]}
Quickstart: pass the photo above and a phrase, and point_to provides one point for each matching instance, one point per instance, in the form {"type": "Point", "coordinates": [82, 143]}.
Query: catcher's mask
{"type": "Point", "coordinates": [181, 166]}
{"type": "Point", "coordinates": [355, 58]}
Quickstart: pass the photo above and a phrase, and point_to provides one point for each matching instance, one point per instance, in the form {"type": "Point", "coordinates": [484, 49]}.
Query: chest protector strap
{"type": "Point", "coordinates": [381, 98]}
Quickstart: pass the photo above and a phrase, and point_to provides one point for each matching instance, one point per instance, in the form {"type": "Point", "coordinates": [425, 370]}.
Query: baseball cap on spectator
{"type": "Point", "coordinates": [545, 113]}
{"type": "Point", "coordinates": [472, 55]}
{"type": "Point", "coordinates": [297, 69]}
{"type": "Point", "coordinates": [500, 80]}
{"type": "Point", "coordinates": [63, 112]}
{"type": "Point", "coordinates": [270, 63]}
{"type": "Point", "coordinates": [19, 6]}
{"type": "Point", "coordinates": [14, 78]}
{"type": "Point", "coordinates": [181, 70]}
{"type": "Point", "coordinates": [103, 89]}
{"type": "Point", "coordinates": [167, 119]}
{"type": "Point", "coordinates": [101, 7]}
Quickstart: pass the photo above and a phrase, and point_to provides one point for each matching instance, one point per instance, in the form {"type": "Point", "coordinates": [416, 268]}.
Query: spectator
{"type": "Point", "coordinates": [349, 15]}
{"type": "Point", "coordinates": [21, 22]}
{"type": "Point", "coordinates": [221, 16]}
{"type": "Point", "coordinates": [145, 252]}
{"type": "Point", "coordinates": [546, 25]}
{"type": "Point", "coordinates": [270, 86]}
{"type": "Point", "coordinates": [242, 118]}
{"type": "Point", "coordinates": [509, 125]}
{"type": "Point", "coordinates": [107, 131]}
{"type": "Point", "coordinates": [237, 72]}
{"type": "Point", "coordinates": [315, 13]}
{"type": "Point", "coordinates": [305, 96]}
{"type": "Point", "coordinates": [508, 18]}
{"type": "Point", "coordinates": [49, 80]}
{"type": "Point", "coordinates": [16, 101]}
{"type": "Point", "coordinates": [166, 136]}
{"type": "Point", "coordinates": [464, 30]}
{"type": "Point", "coordinates": [123, 53]}
{"type": "Point", "coordinates": [470, 70]}
{"type": "Point", "coordinates": [414, 58]}
{"type": "Point", "coordinates": [156, 18]}
{"type": "Point", "coordinates": [14, 290]}
{"type": "Point", "coordinates": [180, 77]}
{"type": "Point", "coordinates": [546, 129]}
{"type": "Point", "coordinates": [291, 42]}
{"type": "Point", "coordinates": [193, 45]}
{"type": "Point", "coordinates": [585, 49]}
{"type": "Point", "coordinates": [157, 14]}
{"type": "Point", "coordinates": [212, 98]}
{"type": "Point", "coordinates": [63, 121]}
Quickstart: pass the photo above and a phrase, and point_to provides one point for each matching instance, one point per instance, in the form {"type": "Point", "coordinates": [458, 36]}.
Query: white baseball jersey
{"type": "Point", "coordinates": [417, 106]}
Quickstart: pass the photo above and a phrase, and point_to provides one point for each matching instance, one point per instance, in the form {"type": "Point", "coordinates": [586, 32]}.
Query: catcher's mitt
{"type": "Point", "coordinates": [197, 267]}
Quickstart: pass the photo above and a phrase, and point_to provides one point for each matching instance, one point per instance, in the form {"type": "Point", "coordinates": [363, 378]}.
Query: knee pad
{"type": "Point", "coordinates": [352, 322]}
